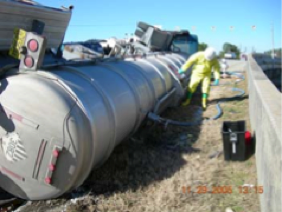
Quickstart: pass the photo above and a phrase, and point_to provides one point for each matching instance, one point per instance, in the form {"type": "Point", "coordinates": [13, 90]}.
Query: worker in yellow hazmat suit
{"type": "Point", "coordinates": [203, 63]}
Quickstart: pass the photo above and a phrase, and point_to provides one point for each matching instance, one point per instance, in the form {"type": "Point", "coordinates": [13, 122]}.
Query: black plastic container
{"type": "Point", "coordinates": [233, 134]}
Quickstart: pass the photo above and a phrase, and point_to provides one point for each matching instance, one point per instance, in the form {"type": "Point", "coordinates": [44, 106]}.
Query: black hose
{"type": "Point", "coordinates": [156, 118]}
{"type": "Point", "coordinates": [6, 68]}
{"type": "Point", "coordinates": [219, 110]}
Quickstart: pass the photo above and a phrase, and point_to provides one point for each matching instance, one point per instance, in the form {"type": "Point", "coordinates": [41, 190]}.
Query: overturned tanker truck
{"type": "Point", "coordinates": [62, 118]}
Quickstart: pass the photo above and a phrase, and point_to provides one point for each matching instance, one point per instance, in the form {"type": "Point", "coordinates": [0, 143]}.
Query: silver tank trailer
{"type": "Point", "coordinates": [60, 123]}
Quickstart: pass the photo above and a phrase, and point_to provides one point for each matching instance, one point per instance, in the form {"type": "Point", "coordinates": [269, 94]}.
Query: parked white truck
{"type": "Point", "coordinates": [230, 55]}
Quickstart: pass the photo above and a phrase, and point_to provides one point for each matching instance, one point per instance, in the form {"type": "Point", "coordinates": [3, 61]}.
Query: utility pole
{"type": "Point", "coordinates": [273, 51]}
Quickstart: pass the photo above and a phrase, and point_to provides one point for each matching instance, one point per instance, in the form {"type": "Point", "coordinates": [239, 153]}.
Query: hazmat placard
{"type": "Point", "coordinates": [18, 42]}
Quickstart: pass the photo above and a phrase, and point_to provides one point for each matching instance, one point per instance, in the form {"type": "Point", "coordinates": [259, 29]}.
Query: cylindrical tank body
{"type": "Point", "coordinates": [59, 124]}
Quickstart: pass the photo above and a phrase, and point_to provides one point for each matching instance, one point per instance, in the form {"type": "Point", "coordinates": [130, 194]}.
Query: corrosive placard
{"type": "Point", "coordinates": [18, 42]}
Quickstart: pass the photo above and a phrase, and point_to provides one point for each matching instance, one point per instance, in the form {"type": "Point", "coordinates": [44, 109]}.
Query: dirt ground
{"type": "Point", "coordinates": [170, 169]}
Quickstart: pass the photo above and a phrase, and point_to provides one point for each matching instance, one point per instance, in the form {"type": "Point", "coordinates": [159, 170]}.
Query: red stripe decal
{"type": "Point", "coordinates": [2, 169]}
{"type": "Point", "coordinates": [12, 115]}
{"type": "Point", "coordinates": [39, 158]}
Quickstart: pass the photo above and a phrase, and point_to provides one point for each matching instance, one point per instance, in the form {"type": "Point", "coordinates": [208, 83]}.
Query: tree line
{"type": "Point", "coordinates": [227, 48]}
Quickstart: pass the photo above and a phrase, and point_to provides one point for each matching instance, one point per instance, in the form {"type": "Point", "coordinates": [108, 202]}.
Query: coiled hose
{"type": "Point", "coordinates": [156, 118]}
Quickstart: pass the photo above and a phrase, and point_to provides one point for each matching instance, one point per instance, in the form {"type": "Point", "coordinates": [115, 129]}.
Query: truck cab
{"type": "Point", "coordinates": [168, 41]}
{"type": "Point", "coordinates": [184, 42]}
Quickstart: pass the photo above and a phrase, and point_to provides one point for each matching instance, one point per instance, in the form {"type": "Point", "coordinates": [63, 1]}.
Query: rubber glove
{"type": "Point", "coordinates": [182, 76]}
{"type": "Point", "coordinates": [180, 71]}
{"type": "Point", "coordinates": [216, 82]}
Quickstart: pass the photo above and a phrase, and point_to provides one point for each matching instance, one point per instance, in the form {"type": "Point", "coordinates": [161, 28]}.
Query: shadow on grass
{"type": "Point", "coordinates": [153, 154]}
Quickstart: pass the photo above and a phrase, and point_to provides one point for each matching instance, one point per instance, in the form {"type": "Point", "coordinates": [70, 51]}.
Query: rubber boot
{"type": "Point", "coordinates": [188, 100]}
{"type": "Point", "coordinates": [204, 100]}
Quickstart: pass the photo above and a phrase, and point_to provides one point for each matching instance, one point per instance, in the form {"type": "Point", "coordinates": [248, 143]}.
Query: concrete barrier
{"type": "Point", "coordinates": [265, 116]}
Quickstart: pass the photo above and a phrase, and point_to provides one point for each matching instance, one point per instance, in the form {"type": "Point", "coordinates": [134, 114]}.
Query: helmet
{"type": "Point", "coordinates": [210, 53]}
{"type": "Point", "coordinates": [112, 42]}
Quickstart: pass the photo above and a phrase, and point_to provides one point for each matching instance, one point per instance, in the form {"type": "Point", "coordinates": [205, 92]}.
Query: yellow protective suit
{"type": "Point", "coordinates": [201, 71]}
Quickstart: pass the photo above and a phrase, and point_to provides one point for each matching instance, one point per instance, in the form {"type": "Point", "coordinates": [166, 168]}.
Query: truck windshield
{"type": "Point", "coordinates": [185, 43]}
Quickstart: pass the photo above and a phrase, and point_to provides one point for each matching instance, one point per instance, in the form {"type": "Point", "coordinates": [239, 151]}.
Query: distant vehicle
{"type": "Point", "coordinates": [230, 55]}
{"type": "Point", "coordinates": [244, 57]}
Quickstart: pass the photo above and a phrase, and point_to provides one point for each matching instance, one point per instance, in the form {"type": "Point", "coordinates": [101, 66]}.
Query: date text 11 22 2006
{"type": "Point", "coordinates": [222, 189]}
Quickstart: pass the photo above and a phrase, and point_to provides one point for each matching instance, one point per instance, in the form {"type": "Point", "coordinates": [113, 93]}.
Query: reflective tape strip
{"type": "Point", "coordinates": [6, 171]}
{"type": "Point", "coordinates": [12, 115]}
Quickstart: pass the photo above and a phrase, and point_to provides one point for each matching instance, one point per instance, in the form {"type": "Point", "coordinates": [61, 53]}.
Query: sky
{"type": "Point", "coordinates": [107, 18]}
